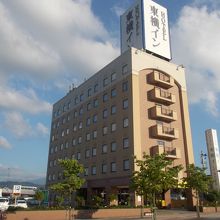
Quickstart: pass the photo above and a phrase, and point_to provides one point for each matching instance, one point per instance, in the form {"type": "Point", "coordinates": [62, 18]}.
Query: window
{"type": "Point", "coordinates": [87, 153]}
{"type": "Point", "coordinates": [80, 125]}
{"type": "Point", "coordinates": [125, 69]}
{"type": "Point", "coordinates": [104, 168]}
{"type": "Point", "coordinates": [53, 137]}
{"type": "Point", "coordinates": [126, 165]}
{"type": "Point", "coordinates": [105, 97]}
{"type": "Point", "coordinates": [66, 144]}
{"type": "Point", "coordinates": [86, 171]}
{"type": "Point", "coordinates": [113, 77]}
{"type": "Point", "coordinates": [113, 93]}
{"type": "Point", "coordinates": [89, 106]}
{"type": "Point", "coordinates": [51, 150]}
{"type": "Point", "coordinates": [81, 111]}
{"type": "Point", "coordinates": [76, 101]}
{"type": "Point", "coordinates": [64, 120]}
{"type": "Point", "coordinates": [125, 143]}
{"type": "Point", "coordinates": [73, 156]}
{"type": "Point", "coordinates": [94, 151]}
{"type": "Point", "coordinates": [94, 134]}
{"type": "Point", "coordinates": [113, 127]}
{"type": "Point", "coordinates": [88, 136]}
{"type": "Point", "coordinates": [56, 148]}
{"type": "Point", "coordinates": [95, 103]}
{"type": "Point", "coordinates": [113, 167]}
{"type": "Point", "coordinates": [105, 81]}
{"type": "Point", "coordinates": [125, 86]}
{"type": "Point", "coordinates": [51, 163]}
{"type": "Point", "coordinates": [105, 113]}
{"type": "Point", "coordinates": [93, 170]}
{"type": "Point", "coordinates": [104, 148]}
{"type": "Point", "coordinates": [61, 147]}
{"type": "Point", "coordinates": [105, 130]}
{"type": "Point", "coordinates": [54, 163]}
{"type": "Point", "coordinates": [49, 177]}
{"type": "Point", "coordinates": [88, 121]}
{"type": "Point", "coordinates": [95, 118]}
{"type": "Point", "coordinates": [74, 128]}
{"type": "Point", "coordinates": [79, 140]}
{"type": "Point", "coordinates": [54, 176]}
{"type": "Point", "coordinates": [78, 156]}
{"type": "Point", "coordinates": [67, 131]}
{"type": "Point", "coordinates": [74, 142]}
{"type": "Point", "coordinates": [125, 103]}
{"type": "Point", "coordinates": [125, 122]}
{"type": "Point", "coordinates": [89, 92]}
{"type": "Point", "coordinates": [96, 87]}
{"type": "Point", "coordinates": [68, 117]}
{"type": "Point", "coordinates": [113, 146]}
{"type": "Point", "coordinates": [63, 133]}
{"type": "Point", "coordinates": [81, 97]}
{"type": "Point", "coordinates": [75, 114]}
{"type": "Point", "coordinates": [113, 109]}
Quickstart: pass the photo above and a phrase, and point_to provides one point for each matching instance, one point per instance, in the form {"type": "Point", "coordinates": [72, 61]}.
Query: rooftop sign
{"type": "Point", "coordinates": [145, 26]}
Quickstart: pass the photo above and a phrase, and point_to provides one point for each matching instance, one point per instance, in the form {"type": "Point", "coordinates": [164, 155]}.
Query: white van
{"type": "Point", "coordinates": [4, 203]}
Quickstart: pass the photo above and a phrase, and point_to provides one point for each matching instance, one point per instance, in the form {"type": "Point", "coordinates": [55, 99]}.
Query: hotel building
{"type": "Point", "coordinates": [137, 103]}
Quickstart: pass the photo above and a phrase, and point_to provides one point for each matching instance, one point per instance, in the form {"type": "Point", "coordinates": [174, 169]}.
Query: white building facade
{"type": "Point", "coordinates": [214, 157]}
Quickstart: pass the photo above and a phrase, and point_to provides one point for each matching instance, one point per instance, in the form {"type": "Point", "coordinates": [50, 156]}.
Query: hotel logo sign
{"type": "Point", "coordinates": [145, 26]}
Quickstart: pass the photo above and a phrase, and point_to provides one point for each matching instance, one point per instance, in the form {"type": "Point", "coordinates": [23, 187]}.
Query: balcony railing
{"type": "Point", "coordinates": [160, 79]}
{"type": "Point", "coordinates": [162, 132]}
{"type": "Point", "coordinates": [171, 152]}
{"type": "Point", "coordinates": [161, 96]}
{"type": "Point", "coordinates": [162, 113]}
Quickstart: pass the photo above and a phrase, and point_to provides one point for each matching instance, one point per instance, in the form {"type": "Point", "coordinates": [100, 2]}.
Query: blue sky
{"type": "Point", "coordinates": [47, 45]}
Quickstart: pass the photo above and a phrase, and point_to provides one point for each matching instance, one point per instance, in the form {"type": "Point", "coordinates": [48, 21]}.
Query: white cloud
{"type": "Point", "coordinates": [22, 128]}
{"type": "Point", "coordinates": [4, 143]}
{"type": "Point", "coordinates": [42, 129]}
{"type": "Point", "coordinates": [25, 101]}
{"type": "Point", "coordinates": [59, 36]}
{"type": "Point", "coordinates": [118, 10]}
{"type": "Point", "coordinates": [195, 39]}
{"type": "Point", "coordinates": [17, 125]}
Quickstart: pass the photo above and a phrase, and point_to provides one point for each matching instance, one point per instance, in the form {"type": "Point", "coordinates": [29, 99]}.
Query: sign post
{"type": "Point", "coordinates": [16, 192]}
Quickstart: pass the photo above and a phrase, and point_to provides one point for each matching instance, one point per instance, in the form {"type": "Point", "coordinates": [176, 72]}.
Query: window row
{"type": "Point", "coordinates": [89, 136]}
{"type": "Point", "coordinates": [94, 118]}
{"type": "Point", "coordinates": [92, 152]}
{"type": "Point", "coordinates": [80, 98]}
{"type": "Point", "coordinates": [105, 168]}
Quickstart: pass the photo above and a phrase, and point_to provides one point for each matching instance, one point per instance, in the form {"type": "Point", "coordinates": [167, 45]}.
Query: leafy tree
{"type": "Point", "coordinates": [213, 197]}
{"type": "Point", "coordinates": [39, 196]}
{"type": "Point", "coordinates": [71, 179]}
{"type": "Point", "coordinates": [198, 181]}
{"type": "Point", "coordinates": [155, 175]}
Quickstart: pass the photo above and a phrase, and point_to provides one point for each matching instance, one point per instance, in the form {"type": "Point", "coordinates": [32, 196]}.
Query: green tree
{"type": "Point", "coordinates": [198, 181]}
{"type": "Point", "coordinates": [213, 197]}
{"type": "Point", "coordinates": [154, 175]}
{"type": "Point", "coordinates": [71, 179]}
{"type": "Point", "coordinates": [39, 196]}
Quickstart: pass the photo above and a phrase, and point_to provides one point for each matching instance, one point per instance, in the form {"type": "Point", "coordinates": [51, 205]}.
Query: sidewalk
{"type": "Point", "coordinates": [176, 215]}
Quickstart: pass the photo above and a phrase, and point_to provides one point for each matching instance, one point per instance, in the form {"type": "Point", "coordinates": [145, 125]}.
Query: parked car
{"type": "Point", "coordinates": [4, 203]}
{"type": "Point", "coordinates": [21, 203]}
